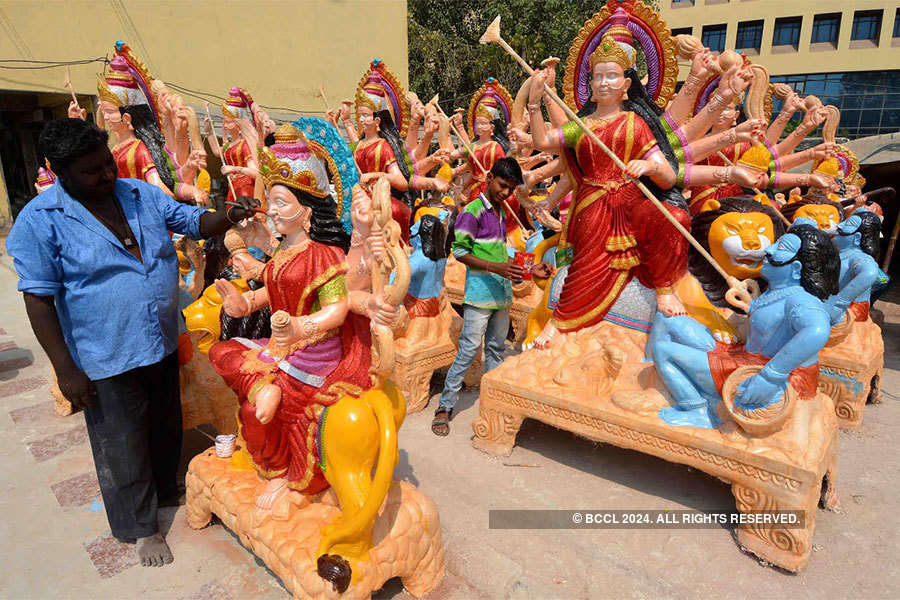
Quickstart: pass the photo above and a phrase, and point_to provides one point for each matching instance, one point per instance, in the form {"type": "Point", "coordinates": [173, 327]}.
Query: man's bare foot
{"type": "Point", "coordinates": [267, 400]}
{"type": "Point", "coordinates": [275, 488]}
{"type": "Point", "coordinates": [154, 551]}
{"type": "Point", "coordinates": [547, 337]}
{"type": "Point", "coordinates": [670, 305]}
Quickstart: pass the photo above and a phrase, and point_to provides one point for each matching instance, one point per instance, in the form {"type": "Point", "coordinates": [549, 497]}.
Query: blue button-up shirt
{"type": "Point", "coordinates": [116, 312]}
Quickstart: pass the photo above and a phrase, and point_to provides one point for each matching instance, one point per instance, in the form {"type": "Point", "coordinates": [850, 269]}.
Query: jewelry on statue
{"type": "Point", "coordinates": [723, 174]}
{"type": "Point", "coordinates": [534, 107]}
{"type": "Point", "coordinates": [716, 101]}
{"type": "Point", "coordinates": [731, 135]}
{"type": "Point", "coordinates": [692, 81]}
{"type": "Point", "coordinates": [309, 327]}
{"type": "Point", "coordinates": [247, 302]}
{"type": "Point", "coordinates": [357, 239]}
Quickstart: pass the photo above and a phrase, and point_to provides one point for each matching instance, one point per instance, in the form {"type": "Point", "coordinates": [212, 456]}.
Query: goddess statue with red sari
{"type": "Point", "coordinates": [128, 109]}
{"type": "Point", "coordinates": [322, 348]}
{"type": "Point", "coordinates": [612, 232]}
{"type": "Point", "coordinates": [382, 115]}
{"type": "Point", "coordinates": [239, 161]}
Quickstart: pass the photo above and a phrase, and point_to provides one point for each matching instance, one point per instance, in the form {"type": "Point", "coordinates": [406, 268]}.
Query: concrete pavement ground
{"type": "Point", "coordinates": [58, 543]}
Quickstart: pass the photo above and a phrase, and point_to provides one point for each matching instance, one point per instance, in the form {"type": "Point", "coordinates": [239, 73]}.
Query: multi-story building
{"type": "Point", "coordinates": [279, 51]}
{"type": "Point", "coordinates": [846, 52]}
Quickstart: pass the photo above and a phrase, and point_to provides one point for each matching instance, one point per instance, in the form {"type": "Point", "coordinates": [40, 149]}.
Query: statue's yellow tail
{"type": "Point", "coordinates": [354, 428]}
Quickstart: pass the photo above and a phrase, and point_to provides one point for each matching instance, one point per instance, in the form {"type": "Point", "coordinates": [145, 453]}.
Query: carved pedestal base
{"type": "Point", "coordinates": [850, 372]}
{"type": "Point", "coordinates": [413, 371]}
{"type": "Point", "coordinates": [594, 384]}
{"type": "Point", "coordinates": [407, 534]}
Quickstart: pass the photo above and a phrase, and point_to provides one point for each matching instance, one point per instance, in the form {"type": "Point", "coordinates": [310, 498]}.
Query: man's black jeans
{"type": "Point", "coordinates": [135, 431]}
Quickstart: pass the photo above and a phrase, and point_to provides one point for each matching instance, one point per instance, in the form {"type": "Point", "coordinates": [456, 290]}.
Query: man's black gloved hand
{"type": "Point", "coordinates": [236, 214]}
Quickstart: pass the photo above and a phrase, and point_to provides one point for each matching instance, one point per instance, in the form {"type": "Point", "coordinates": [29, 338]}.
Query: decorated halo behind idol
{"type": "Point", "coordinates": [491, 101]}
{"type": "Point", "coordinates": [637, 24]}
{"type": "Point", "coordinates": [309, 155]}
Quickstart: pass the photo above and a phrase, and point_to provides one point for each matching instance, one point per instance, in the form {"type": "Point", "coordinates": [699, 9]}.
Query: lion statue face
{"type": "Point", "coordinates": [826, 216]}
{"type": "Point", "coordinates": [736, 231]}
{"type": "Point", "coordinates": [738, 242]}
{"type": "Point", "coordinates": [202, 316]}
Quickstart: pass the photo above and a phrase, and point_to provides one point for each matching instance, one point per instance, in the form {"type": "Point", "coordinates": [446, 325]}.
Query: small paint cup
{"type": "Point", "coordinates": [225, 445]}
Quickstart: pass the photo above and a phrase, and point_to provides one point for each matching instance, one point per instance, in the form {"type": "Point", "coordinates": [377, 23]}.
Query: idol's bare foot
{"type": "Point", "coordinates": [154, 551]}
{"type": "Point", "coordinates": [670, 305]}
{"type": "Point", "coordinates": [548, 337]}
{"type": "Point", "coordinates": [275, 489]}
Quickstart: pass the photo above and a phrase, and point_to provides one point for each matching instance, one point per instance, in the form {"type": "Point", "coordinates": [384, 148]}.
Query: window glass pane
{"type": "Point", "coordinates": [849, 118]}
{"type": "Point", "coordinates": [749, 35]}
{"type": "Point", "coordinates": [873, 101]}
{"type": "Point", "coordinates": [852, 101]}
{"type": "Point", "coordinates": [816, 88]}
{"type": "Point", "coordinates": [787, 31]}
{"type": "Point", "coordinates": [834, 88]}
{"type": "Point", "coordinates": [869, 118]}
{"type": "Point", "coordinates": [714, 37]}
{"type": "Point", "coordinates": [682, 31]}
{"type": "Point", "coordinates": [866, 25]}
{"type": "Point", "coordinates": [826, 28]}
{"type": "Point", "coordinates": [897, 24]}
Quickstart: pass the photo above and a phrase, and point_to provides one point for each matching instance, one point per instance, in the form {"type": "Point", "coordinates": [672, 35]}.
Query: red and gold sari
{"type": "Point", "coordinates": [133, 160]}
{"type": "Point", "coordinates": [377, 156]}
{"type": "Point", "coordinates": [237, 154]}
{"type": "Point", "coordinates": [487, 154]}
{"type": "Point", "coordinates": [615, 232]}
{"type": "Point", "coordinates": [312, 375]}
{"type": "Point", "coordinates": [702, 193]}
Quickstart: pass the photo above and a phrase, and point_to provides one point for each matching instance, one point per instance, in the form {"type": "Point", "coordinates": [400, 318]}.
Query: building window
{"type": "Point", "coordinates": [682, 3]}
{"type": "Point", "coordinates": [866, 28]}
{"type": "Point", "coordinates": [749, 36]}
{"type": "Point", "coordinates": [869, 101]}
{"type": "Point", "coordinates": [825, 31]}
{"type": "Point", "coordinates": [683, 31]}
{"type": "Point", "coordinates": [714, 37]}
{"type": "Point", "coordinates": [787, 34]}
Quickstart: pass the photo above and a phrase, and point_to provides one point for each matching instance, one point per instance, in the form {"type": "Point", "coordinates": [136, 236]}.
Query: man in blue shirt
{"type": "Point", "coordinates": [99, 276]}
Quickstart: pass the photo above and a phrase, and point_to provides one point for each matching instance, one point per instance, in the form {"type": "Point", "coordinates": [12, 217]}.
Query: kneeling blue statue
{"type": "Point", "coordinates": [858, 243]}
{"type": "Point", "coordinates": [789, 324]}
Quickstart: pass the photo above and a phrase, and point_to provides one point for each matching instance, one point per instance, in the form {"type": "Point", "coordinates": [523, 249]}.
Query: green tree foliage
{"type": "Point", "coordinates": [445, 57]}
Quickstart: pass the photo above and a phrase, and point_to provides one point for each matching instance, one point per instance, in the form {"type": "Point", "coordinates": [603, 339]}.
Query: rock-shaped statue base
{"type": "Point", "coordinates": [407, 534]}
{"type": "Point", "coordinates": [596, 384]}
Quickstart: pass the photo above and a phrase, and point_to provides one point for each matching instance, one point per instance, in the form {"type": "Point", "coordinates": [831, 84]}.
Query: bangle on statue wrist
{"type": "Point", "coordinates": [771, 375]}
{"type": "Point", "coordinates": [716, 101]}
{"type": "Point", "coordinates": [534, 107]}
{"type": "Point", "coordinates": [247, 302]}
{"type": "Point", "coordinates": [228, 216]}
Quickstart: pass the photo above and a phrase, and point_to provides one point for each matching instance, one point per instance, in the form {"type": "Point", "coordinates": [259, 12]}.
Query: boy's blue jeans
{"type": "Point", "coordinates": [478, 324]}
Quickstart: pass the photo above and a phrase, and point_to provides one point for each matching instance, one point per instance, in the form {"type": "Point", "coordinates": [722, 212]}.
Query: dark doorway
{"type": "Point", "coordinates": [22, 117]}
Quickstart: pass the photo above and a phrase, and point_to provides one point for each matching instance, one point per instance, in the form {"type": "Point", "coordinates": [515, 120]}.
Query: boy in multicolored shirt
{"type": "Point", "coordinates": [480, 244]}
